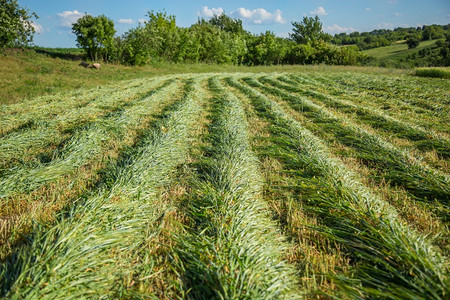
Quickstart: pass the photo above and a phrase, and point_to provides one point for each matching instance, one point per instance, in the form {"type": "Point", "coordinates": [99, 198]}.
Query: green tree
{"type": "Point", "coordinates": [309, 31]}
{"type": "Point", "coordinates": [412, 42]}
{"type": "Point", "coordinates": [227, 23]}
{"type": "Point", "coordinates": [95, 35]}
{"type": "Point", "coordinates": [16, 28]}
{"type": "Point", "coordinates": [432, 32]}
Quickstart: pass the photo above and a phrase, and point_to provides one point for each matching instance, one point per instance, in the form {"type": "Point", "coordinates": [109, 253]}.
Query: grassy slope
{"type": "Point", "coordinates": [31, 73]}
{"type": "Point", "coordinates": [396, 51]}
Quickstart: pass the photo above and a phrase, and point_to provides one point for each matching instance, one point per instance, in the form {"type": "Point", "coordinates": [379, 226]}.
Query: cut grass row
{"type": "Point", "coordinates": [392, 165]}
{"type": "Point", "coordinates": [233, 250]}
{"type": "Point", "coordinates": [94, 250]}
{"type": "Point", "coordinates": [42, 109]}
{"type": "Point", "coordinates": [37, 191]}
{"type": "Point", "coordinates": [421, 138]}
{"type": "Point", "coordinates": [390, 259]}
{"type": "Point", "coordinates": [383, 102]}
{"type": "Point", "coordinates": [411, 91]}
{"type": "Point", "coordinates": [36, 143]}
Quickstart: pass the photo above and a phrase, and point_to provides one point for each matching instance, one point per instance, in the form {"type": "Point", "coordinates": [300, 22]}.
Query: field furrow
{"type": "Point", "coordinates": [421, 139]}
{"type": "Point", "coordinates": [315, 184]}
{"type": "Point", "coordinates": [36, 192]}
{"type": "Point", "coordinates": [393, 165]}
{"type": "Point", "coordinates": [95, 246]}
{"type": "Point", "coordinates": [29, 114]}
{"type": "Point", "coordinates": [385, 251]}
{"type": "Point", "coordinates": [234, 250]}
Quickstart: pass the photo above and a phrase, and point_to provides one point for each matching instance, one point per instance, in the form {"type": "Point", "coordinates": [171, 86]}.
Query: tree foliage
{"type": "Point", "coordinates": [95, 35]}
{"type": "Point", "coordinates": [309, 31]}
{"type": "Point", "coordinates": [16, 28]}
{"type": "Point", "coordinates": [412, 42]}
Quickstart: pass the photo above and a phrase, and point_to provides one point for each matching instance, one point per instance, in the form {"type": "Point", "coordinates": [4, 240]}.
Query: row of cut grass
{"type": "Point", "coordinates": [94, 250]}
{"type": "Point", "coordinates": [110, 137]}
{"type": "Point", "coordinates": [36, 143]}
{"type": "Point", "coordinates": [86, 143]}
{"type": "Point", "coordinates": [421, 138]}
{"type": "Point", "coordinates": [314, 255]}
{"type": "Point", "coordinates": [390, 259]}
{"type": "Point", "coordinates": [411, 91]}
{"type": "Point", "coordinates": [28, 113]}
{"type": "Point", "coordinates": [234, 250]}
{"type": "Point", "coordinates": [391, 106]}
{"type": "Point", "coordinates": [393, 165]}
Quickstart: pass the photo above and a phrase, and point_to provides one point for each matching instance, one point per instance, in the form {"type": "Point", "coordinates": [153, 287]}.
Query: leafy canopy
{"type": "Point", "coordinates": [309, 31]}
{"type": "Point", "coordinates": [16, 28]}
{"type": "Point", "coordinates": [95, 35]}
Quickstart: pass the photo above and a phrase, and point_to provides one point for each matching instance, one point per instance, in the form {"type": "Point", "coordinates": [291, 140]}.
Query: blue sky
{"type": "Point", "coordinates": [56, 16]}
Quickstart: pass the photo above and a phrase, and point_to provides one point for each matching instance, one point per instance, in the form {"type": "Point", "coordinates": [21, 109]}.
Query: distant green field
{"type": "Point", "coordinates": [396, 50]}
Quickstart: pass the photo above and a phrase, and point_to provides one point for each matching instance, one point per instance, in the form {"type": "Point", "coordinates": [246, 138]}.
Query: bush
{"type": "Point", "coordinates": [433, 72]}
{"type": "Point", "coordinates": [412, 42]}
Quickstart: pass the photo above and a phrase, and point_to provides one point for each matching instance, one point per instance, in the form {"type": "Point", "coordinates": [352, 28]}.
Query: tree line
{"type": "Point", "coordinates": [385, 37]}
{"type": "Point", "coordinates": [221, 40]}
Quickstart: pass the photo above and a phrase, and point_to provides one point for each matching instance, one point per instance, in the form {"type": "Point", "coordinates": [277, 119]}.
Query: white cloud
{"type": "Point", "coordinates": [320, 11]}
{"type": "Point", "coordinates": [385, 25]}
{"type": "Point", "coordinates": [397, 14]}
{"type": "Point", "coordinates": [125, 21]}
{"type": "Point", "coordinates": [142, 20]}
{"type": "Point", "coordinates": [67, 18]}
{"type": "Point", "coordinates": [368, 9]}
{"type": "Point", "coordinates": [338, 29]}
{"type": "Point", "coordinates": [392, 1]}
{"type": "Point", "coordinates": [258, 16]}
{"type": "Point", "coordinates": [37, 27]}
{"type": "Point", "coordinates": [210, 12]}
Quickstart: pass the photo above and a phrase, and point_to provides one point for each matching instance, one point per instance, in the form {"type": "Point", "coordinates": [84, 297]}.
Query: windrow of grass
{"type": "Point", "coordinates": [86, 143]}
{"type": "Point", "coordinates": [30, 113]}
{"type": "Point", "coordinates": [35, 144]}
{"type": "Point", "coordinates": [388, 258]}
{"type": "Point", "coordinates": [393, 165]}
{"type": "Point", "coordinates": [417, 92]}
{"type": "Point", "coordinates": [233, 250]}
{"type": "Point", "coordinates": [94, 251]}
{"type": "Point", "coordinates": [421, 138]}
{"type": "Point", "coordinates": [314, 255]}
{"type": "Point", "coordinates": [410, 113]}
{"type": "Point", "coordinates": [37, 192]}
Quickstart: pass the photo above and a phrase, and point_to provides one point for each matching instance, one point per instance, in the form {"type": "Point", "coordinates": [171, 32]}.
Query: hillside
{"type": "Point", "coordinates": [396, 51]}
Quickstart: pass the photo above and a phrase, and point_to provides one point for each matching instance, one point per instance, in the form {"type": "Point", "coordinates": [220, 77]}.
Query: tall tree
{"type": "Point", "coordinates": [95, 35]}
{"type": "Point", "coordinates": [309, 31]}
{"type": "Point", "coordinates": [16, 28]}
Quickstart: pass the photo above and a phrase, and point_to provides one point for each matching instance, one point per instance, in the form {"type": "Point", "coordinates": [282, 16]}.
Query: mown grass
{"type": "Point", "coordinates": [37, 191]}
{"type": "Point", "coordinates": [422, 139]}
{"type": "Point", "coordinates": [227, 186]}
{"type": "Point", "coordinates": [385, 251]}
{"type": "Point", "coordinates": [233, 250]}
{"type": "Point", "coordinates": [393, 165]}
{"type": "Point", "coordinates": [96, 246]}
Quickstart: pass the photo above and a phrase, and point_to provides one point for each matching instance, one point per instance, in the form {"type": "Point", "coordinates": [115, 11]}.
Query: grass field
{"type": "Point", "coordinates": [309, 183]}
{"type": "Point", "coordinates": [397, 50]}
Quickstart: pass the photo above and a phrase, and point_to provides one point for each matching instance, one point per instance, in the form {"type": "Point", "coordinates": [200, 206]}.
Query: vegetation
{"type": "Point", "coordinates": [320, 183]}
{"type": "Point", "coordinates": [16, 27]}
{"type": "Point", "coordinates": [433, 72]}
{"type": "Point", "coordinates": [95, 35]}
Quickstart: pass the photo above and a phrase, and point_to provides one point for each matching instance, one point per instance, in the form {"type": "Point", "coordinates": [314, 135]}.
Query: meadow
{"type": "Point", "coordinates": [309, 183]}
